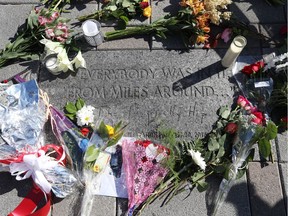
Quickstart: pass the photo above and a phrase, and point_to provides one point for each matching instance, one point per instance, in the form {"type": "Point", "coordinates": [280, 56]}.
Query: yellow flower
{"type": "Point", "coordinates": [96, 168]}
{"type": "Point", "coordinates": [147, 11]}
{"type": "Point", "coordinates": [202, 39]}
{"type": "Point", "coordinates": [110, 130]}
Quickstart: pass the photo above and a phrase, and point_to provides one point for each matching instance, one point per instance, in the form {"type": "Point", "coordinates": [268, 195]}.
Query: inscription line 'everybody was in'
{"type": "Point", "coordinates": [145, 73]}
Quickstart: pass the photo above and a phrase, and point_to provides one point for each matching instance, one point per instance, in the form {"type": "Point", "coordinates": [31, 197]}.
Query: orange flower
{"type": "Point", "coordinates": [198, 7]}
{"type": "Point", "coordinates": [147, 11]}
{"type": "Point", "coordinates": [206, 29]}
{"type": "Point", "coordinates": [202, 39]}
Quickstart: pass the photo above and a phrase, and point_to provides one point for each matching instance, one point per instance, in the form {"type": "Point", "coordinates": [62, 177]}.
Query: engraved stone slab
{"type": "Point", "coordinates": [147, 89]}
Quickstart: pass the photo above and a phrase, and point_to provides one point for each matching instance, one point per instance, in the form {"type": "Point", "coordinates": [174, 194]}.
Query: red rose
{"type": "Point", "coordinates": [283, 122]}
{"type": "Point", "coordinates": [242, 101]}
{"type": "Point", "coordinates": [258, 117]}
{"type": "Point", "coordinates": [247, 70]}
{"type": "Point", "coordinates": [85, 131]}
{"type": "Point", "coordinates": [231, 128]}
{"type": "Point", "coordinates": [144, 5]}
{"type": "Point", "coordinates": [257, 66]}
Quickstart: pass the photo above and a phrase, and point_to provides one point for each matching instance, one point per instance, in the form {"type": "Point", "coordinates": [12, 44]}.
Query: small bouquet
{"type": "Point", "coordinates": [24, 152]}
{"type": "Point", "coordinates": [144, 164]}
{"type": "Point", "coordinates": [47, 24]}
{"type": "Point", "coordinates": [264, 82]}
{"type": "Point", "coordinates": [102, 161]}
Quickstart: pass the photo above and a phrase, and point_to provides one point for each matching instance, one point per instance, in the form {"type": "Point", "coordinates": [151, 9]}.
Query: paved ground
{"type": "Point", "coordinates": [263, 191]}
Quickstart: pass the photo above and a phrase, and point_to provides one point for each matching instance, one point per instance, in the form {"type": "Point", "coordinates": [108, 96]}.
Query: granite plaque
{"type": "Point", "coordinates": [148, 89]}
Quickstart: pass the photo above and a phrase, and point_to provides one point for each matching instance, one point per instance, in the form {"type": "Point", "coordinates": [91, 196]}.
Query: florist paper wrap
{"type": "Point", "coordinates": [69, 136]}
{"type": "Point", "coordinates": [257, 90]}
{"type": "Point", "coordinates": [22, 115]}
{"type": "Point", "coordinates": [143, 164]}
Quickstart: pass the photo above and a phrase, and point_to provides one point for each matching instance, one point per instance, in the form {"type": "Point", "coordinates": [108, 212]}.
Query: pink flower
{"type": "Point", "coordinates": [55, 15]}
{"type": "Point", "coordinates": [42, 20]}
{"type": "Point", "coordinates": [242, 101]}
{"type": "Point", "coordinates": [49, 33]}
{"type": "Point", "coordinates": [226, 34]}
{"type": "Point", "coordinates": [257, 66]}
{"type": "Point", "coordinates": [60, 39]}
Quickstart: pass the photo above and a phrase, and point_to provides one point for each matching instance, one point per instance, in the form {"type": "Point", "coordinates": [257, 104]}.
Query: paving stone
{"type": "Point", "coordinates": [257, 11]}
{"type": "Point", "coordinates": [12, 22]}
{"type": "Point", "coordinates": [265, 190]}
{"type": "Point", "coordinates": [19, 1]}
{"type": "Point", "coordinates": [30, 69]}
{"type": "Point", "coordinates": [272, 31]}
{"type": "Point", "coordinates": [163, 8]}
{"type": "Point", "coordinates": [283, 169]}
{"type": "Point", "coordinates": [12, 192]}
{"type": "Point", "coordinates": [71, 205]}
{"type": "Point", "coordinates": [144, 88]}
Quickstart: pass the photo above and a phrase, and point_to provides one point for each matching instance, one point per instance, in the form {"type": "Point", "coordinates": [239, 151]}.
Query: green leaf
{"type": "Point", "coordinates": [117, 126]}
{"type": "Point", "coordinates": [221, 152]}
{"type": "Point", "coordinates": [126, 3]}
{"type": "Point", "coordinates": [91, 153]}
{"type": "Point", "coordinates": [115, 139]}
{"type": "Point", "coordinates": [271, 131]}
{"type": "Point", "coordinates": [213, 144]}
{"type": "Point", "coordinates": [80, 103]}
{"type": "Point", "coordinates": [103, 131]}
{"type": "Point", "coordinates": [71, 116]}
{"type": "Point", "coordinates": [71, 108]}
{"type": "Point", "coordinates": [264, 147]}
{"type": "Point", "coordinates": [224, 112]}
{"type": "Point", "coordinates": [112, 7]}
{"type": "Point", "coordinates": [222, 139]}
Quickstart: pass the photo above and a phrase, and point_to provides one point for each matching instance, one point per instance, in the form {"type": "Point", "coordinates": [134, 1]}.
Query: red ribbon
{"type": "Point", "coordinates": [29, 205]}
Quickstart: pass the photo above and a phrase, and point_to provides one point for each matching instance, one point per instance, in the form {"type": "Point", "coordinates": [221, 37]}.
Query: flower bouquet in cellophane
{"type": "Point", "coordinates": [24, 153]}
{"type": "Point", "coordinates": [144, 164]}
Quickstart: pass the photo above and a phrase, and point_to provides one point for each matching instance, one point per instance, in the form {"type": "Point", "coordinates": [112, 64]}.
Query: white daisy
{"type": "Point", "coordinates": [85, 115]}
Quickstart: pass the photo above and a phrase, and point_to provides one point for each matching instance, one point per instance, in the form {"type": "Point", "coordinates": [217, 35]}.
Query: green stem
{"type": "Point", "coordinates": [58, 3]}
{"type": "Point", "coordinates": [129, 32]}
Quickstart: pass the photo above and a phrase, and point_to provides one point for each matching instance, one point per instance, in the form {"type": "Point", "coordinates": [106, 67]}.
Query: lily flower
{"type": "Point", "coordinates": [79, 61]}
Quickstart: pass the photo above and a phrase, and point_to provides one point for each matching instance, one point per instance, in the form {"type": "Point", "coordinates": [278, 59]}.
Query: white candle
{"type": "Point", "coordinates": [51, 65]}
{"type": "Point", "coordinates": [234, 50]}
{"type": "Point", "coordinates": [90, 28]}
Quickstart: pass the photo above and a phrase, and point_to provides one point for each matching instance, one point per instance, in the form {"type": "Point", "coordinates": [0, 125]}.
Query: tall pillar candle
{"type": "Point", "coordinates": [234, 50]}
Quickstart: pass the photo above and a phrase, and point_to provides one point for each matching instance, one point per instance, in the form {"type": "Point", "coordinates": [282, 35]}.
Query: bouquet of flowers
{"type": "Point", "coordinates": [42, 23]}
{"type": "Point", "coordinates": [25, 154]}
{"type": "Point", "coordinates": [251, 128]}
{"type": "Point", "coordinates": [264, 82]}
{"type": "Point", "coordinates": [191, 22]}
{"type": "Point", "coordinates": [144, 164]}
